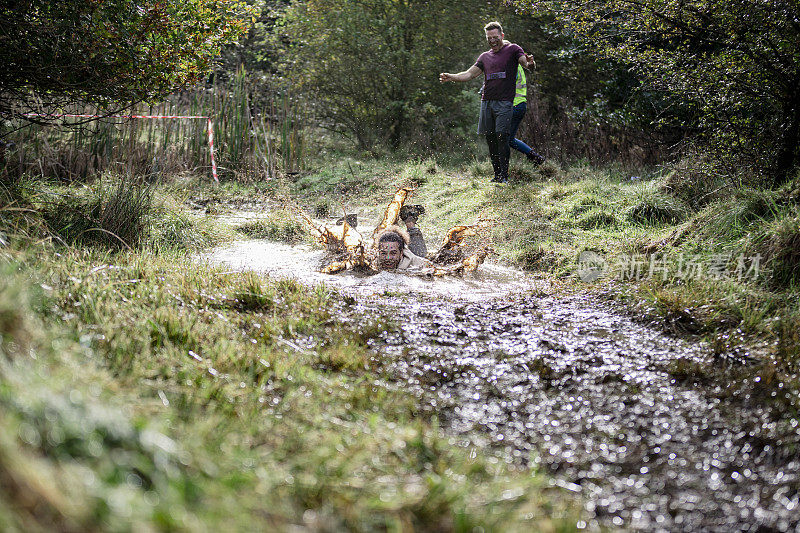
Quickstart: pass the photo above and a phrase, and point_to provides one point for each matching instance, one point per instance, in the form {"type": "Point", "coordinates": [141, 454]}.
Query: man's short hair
{"type": "Point", "coordinates": [392, 236]}
{"type": "Point", "coordinates": [494, 25]}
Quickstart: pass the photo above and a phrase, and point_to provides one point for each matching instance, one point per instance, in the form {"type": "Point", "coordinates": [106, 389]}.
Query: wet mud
{"type": "Point", "coordinates": [573, 387]}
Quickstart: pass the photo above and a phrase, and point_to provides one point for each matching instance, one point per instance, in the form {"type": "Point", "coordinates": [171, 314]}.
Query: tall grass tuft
{"type": "Point", "coordinates": [280, 225]}
{"type": "Point", "coordinates": [736, 215]}
{"type": "Point", "coordinates": [696, 182]}
{"type": "Point", "coordinates": [655, 207]}
{"type": "Point", "coordinates": [114, 216]}
{"type": "Point", "coordinates": [596, 218]}
{"type": "Point", "coordinates": [782, 251]}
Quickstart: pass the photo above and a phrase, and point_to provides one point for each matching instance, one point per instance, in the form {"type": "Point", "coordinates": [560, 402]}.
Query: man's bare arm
{"type": "Point", "coordinates": [471, 73]}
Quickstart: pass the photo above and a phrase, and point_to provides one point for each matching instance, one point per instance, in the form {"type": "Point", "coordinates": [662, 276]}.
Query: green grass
{"type": "Point", "coordinates": [143, 390]}
{"type": "Point", "coordinates": [279, 225]}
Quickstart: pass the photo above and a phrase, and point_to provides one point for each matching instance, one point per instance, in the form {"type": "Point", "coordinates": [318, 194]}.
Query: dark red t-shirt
{"type": "Point", "coordinates": [500, 72]}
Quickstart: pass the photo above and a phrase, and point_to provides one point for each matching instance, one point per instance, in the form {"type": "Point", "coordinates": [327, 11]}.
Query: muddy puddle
{"type": "Point", "coordinates": [302, 262]}
{"type": "Point", "coordinates": [570, 385]}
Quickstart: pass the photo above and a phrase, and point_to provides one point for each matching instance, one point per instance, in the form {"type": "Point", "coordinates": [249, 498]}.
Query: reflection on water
{"type": "Point", "coordinates": [302, 263]}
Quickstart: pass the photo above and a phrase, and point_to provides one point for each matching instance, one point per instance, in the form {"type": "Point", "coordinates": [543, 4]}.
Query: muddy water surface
{"type": "Point", "coordinates": [579, 389]}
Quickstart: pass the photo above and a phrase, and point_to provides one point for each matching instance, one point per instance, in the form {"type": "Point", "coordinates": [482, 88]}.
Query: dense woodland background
{"type": "Point", "coordinates": [640, 83]}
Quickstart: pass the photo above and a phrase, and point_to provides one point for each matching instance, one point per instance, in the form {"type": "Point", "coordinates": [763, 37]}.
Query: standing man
{"type": "Point", "coordinates": [499, 67]}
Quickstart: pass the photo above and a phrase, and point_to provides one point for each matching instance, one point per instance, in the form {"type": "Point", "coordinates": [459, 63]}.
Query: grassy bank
{"type": "Point", "coordinates": [141, 389]}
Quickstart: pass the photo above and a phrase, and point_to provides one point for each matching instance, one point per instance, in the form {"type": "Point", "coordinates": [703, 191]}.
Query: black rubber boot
{"type": "Point", "coordinates": [352, 220]}
{"type": "Point", "coordinates": [491, 142]}
{"type": "Point", "coordinates": [504, 153]}
{"type": "Point", "coordinates": [535, 158]}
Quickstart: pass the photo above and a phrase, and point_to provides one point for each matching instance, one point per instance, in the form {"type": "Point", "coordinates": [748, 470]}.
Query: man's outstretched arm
{"type": "Point", "coordinates": [470, 73]}
{"type": "Point", "coordinates": [526, 60]}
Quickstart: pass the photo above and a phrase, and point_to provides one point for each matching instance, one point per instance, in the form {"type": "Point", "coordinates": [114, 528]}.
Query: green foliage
{"type": "Point", "coordinates": [736, 62]}
{"type": "Point", "coordinates": [259, 51]}
{"type": "Point", "coordinates": [109, 53]}
{"type": "Point", "coordinates": [372, 67]}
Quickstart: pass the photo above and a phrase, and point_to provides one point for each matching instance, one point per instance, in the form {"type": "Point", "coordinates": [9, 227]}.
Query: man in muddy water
{"type": "Point", "coordinates": [499, 67]}
{"type": "Point", "coordinates": [393, 251]}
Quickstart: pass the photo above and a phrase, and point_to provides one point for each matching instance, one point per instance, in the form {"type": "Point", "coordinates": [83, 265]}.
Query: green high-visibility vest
{"type": "Point", "coordinates": [522, 87]}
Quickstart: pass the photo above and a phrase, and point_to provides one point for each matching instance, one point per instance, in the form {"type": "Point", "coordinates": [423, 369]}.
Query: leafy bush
{"type": "Point", "coordinates": [746, 107]}
{"type": "Point", "coordinates": [111, 53]}
{"type": "Point", "coordinates": [406, 105]}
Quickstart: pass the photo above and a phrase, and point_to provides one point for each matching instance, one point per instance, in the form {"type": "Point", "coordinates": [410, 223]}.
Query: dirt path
{"type": "Point", "coordinates": [570, 385]}
{"type": "Point", "coordinates": [586, 393]}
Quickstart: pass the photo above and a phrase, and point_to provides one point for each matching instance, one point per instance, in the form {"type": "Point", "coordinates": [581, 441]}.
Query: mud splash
{"type": "Point", "coordinates": [302, 262]}
{"type": "Point", "coordinates": [581, 391]}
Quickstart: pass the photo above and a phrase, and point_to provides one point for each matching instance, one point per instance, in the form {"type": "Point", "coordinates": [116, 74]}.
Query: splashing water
{"type": "Point", "coordinates": [302, 263]}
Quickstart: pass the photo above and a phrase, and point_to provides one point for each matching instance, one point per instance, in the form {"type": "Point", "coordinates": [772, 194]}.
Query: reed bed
{"type": "Point", "coordinates": [252, 141]}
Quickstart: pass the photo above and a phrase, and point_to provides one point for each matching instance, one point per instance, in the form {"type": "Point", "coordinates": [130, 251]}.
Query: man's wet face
{"type": "Point", "coordinates": [495, 39]}
{"type": "Point", "coordinates": [389, 255]}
